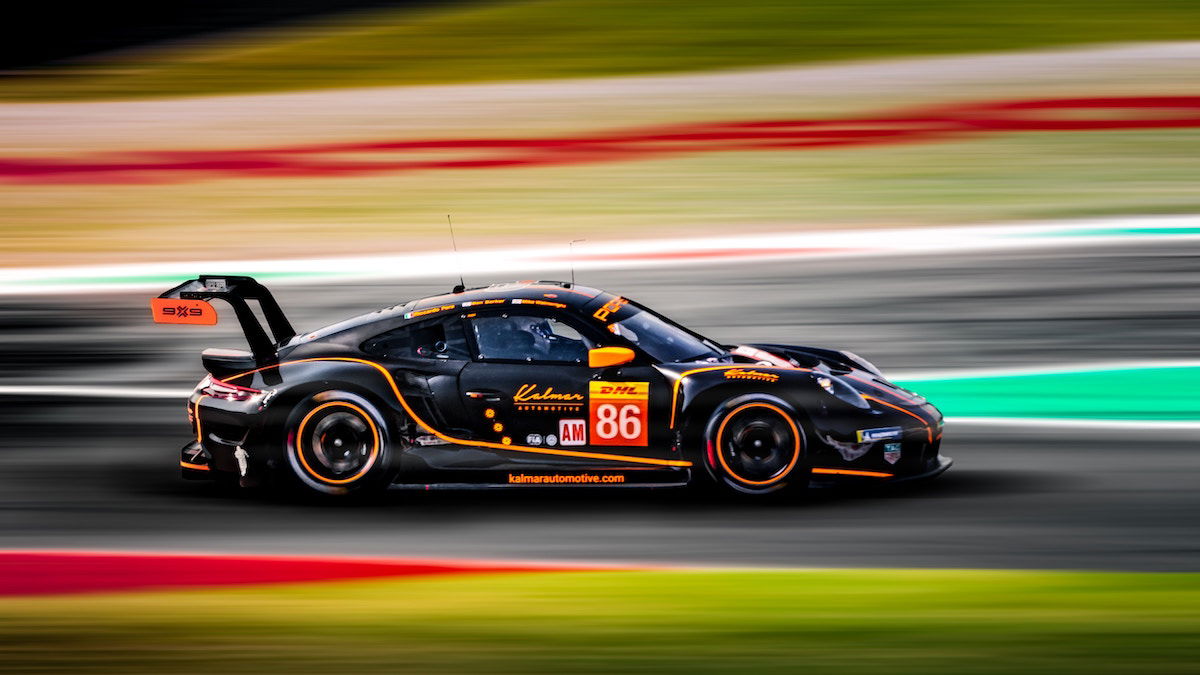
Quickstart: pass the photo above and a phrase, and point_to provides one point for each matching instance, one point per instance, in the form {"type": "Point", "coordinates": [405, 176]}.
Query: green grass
{"type": "Point", "coordinates": [654, 622]}
{"type": "Point", "coordinates": [488, 41]}
{"type": "Point", "coordinates": [1163, 394]}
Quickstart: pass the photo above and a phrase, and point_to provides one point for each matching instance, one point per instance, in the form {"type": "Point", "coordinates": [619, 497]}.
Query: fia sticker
{"type": "Point", "coordinates": [533, 439]}
{"type": "Point", "coordinates": [618, 412]}
{"type": "Point", "coordinates": [891, 452]}
{"type": "Point", "coordinates": [572, 432]}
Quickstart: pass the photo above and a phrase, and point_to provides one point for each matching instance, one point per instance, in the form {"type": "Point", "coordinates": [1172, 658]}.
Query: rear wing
{"type": "Point", "coordinates": [188, 303]}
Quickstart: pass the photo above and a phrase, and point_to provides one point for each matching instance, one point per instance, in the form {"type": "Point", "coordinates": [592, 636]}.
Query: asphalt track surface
{"type": "Point", "coordinates": [91, 473]}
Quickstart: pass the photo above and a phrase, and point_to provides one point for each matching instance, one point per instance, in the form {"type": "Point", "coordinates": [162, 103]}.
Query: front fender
{"type": "Point", "coordinates": [699, 394]}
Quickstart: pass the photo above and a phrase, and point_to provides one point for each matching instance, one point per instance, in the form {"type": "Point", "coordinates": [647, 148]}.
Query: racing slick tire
{"type": "Point", "coordinates": [755, 445]}
{"type": "Point", "coordinates": [337, 443]}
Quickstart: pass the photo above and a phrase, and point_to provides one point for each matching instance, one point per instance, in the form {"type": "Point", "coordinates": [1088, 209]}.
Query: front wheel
{"type": "Point", "coordinates": [755, 445]}
{"type": "Point", "coordinates": [337, 443]}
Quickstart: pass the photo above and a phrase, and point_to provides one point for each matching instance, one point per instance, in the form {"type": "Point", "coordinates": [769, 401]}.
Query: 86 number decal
{"type": "Point", "coordinates": [625, 422]}
{"type": "Point", "coordinates": [618, 412]}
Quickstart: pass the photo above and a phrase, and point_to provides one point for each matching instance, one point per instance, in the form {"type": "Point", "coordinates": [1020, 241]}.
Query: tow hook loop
{"type": "Point", "coordinates": [241, 456]}
{"type": "Point", "coordinates": [243, 462]}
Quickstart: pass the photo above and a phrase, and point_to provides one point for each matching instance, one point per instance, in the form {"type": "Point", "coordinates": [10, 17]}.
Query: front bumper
{"type": "Point", "coordinates": [891, 442]}
{"type": "Point", "coordinates": [937, 467]}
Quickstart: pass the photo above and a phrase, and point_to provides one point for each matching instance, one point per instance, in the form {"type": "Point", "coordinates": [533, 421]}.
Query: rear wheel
{"type": "Point", "coordinates": [337, 443]}
{"type": "Point", "coordinates": [756, 446]}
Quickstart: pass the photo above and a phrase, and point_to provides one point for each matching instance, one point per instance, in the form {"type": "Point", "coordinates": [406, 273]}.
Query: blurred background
{"type": "Point", "coordinates": [994, 200]}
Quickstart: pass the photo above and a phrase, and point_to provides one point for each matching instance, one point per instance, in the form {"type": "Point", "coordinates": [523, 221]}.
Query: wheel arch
{"type": "Point", "coordinates": [349, 377]}
{"type": "Point", "coordinates": [706, 398]}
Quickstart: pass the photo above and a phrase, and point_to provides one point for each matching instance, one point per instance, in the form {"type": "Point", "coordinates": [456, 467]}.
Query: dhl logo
{"type": "Point", "coordinates": [603, 390]}
{"type": "Point", "coordinates": [609, 308]}
{"type": "Point", "coordinates": [740, 374]}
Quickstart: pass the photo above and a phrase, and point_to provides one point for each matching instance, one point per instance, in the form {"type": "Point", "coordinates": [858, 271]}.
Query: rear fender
{"type": "Point", "coordinates": [296, 382]}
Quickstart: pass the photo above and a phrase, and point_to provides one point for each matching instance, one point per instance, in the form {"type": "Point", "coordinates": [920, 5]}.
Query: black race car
{"type": "Point", "coordinates": [534, 383]}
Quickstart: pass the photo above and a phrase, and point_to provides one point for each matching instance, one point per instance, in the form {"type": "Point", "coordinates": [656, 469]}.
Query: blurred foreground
{"type": "Point", "coordinates": [898, 621]}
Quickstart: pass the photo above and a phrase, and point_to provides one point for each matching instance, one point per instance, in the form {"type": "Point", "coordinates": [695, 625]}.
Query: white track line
{"type": "Point", "coordinates": [1062, 423]}
{"type": "Point", "coordinates": [523, 262]}
{"type": "Point", "coordinates": [1091, 367]}
{"type": "Point", "coordinates": [92, 391]}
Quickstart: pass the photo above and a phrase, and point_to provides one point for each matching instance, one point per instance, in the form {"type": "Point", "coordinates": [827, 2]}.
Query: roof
{"type": "Point", "coordinates": [560, 294]}
{"type": "Point", "coordinates": [574, 297]}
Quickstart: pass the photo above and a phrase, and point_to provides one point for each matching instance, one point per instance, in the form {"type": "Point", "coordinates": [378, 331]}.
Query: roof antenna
{"type": "Point", "coordinates": [571, 257]}
{"type": "Point", "coordinates": [462, 285]}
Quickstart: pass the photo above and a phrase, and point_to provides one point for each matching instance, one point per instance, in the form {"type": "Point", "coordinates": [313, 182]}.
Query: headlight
{"type": "Point", "coordinates": [842, 392]}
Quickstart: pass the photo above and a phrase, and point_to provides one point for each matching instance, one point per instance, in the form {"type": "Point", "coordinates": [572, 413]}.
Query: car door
{"type": "Point", "coordinates": [425, 359]}
{"type": "Point", "coordinates": [529, 385]}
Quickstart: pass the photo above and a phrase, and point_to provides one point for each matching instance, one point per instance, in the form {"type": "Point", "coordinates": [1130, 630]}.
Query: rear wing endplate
{"type": "Point", "coordinates": [187, 303]}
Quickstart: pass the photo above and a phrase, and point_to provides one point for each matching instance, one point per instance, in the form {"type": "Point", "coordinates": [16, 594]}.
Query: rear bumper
{"type": "Point", "coordinates": [194, 462]}
{"type": "Point", "coordinates": [220, 428]}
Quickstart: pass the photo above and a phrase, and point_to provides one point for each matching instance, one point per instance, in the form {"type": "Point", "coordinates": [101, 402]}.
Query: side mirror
{"type": "Point", "coordinates": [607, 357]}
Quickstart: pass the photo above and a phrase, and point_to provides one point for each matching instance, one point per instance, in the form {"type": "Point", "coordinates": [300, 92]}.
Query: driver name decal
{"type": "Point", "coordinates": [618, 413]}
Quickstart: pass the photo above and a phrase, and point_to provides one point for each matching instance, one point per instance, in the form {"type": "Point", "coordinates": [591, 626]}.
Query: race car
{"type": "Point", "coordinates": [533, 383]}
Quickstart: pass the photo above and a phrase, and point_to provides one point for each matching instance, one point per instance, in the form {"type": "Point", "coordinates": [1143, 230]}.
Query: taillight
{"type": "Point", "coordinates": [230, 392]}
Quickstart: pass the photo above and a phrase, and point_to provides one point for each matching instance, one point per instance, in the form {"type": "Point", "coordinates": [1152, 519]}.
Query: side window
{"type": "Point", "coordinates": [528, 337]}
{"type": "Point", "coordinates": [437, 339]}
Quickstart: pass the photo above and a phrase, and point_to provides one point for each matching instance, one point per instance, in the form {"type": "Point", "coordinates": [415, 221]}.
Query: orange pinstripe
{"type": "Point", "coordinates": [924, 423]}
{"type": "Point", "coordinates": [852, 472]}
{"type": "Point", "coordinates": [461, 441]}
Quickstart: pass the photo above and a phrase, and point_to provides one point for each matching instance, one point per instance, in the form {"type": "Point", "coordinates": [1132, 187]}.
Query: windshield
{"type": "Point", "coordinates": [663, 340]}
